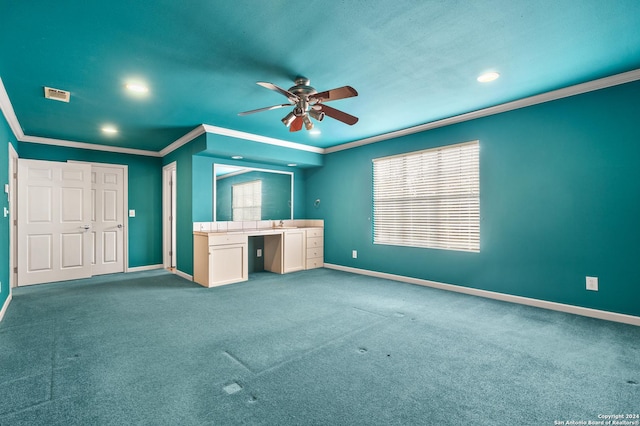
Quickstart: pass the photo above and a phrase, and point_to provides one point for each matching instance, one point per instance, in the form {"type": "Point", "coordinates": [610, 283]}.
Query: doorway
{"type": "Point", "coordinates": [169, 201]}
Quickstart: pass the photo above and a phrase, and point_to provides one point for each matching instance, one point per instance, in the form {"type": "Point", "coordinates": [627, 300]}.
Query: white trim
{"type": "Point", "coordinates": [182, 141]}
{"type": "Point", "coordinates": [183, 275]}
{"type": "Point", "coordinates": [13, 215]}
{"type": "Point", "coordinates": [84, 145]}
{"type": "Point", "coordinates": [5, 306]}
{"type": "Point", "coordinates": [577, 89]}
{"type": "Point", "coordinates": [169, 197]}
{"type": "Point", "coordinates": [571, 309]}
{"type": "Point", "coordinates": [143, 268]}
{"type": "Point", "coordinates": [590, 86]}
{"type": "Point", "coordinates": [9, 113]}
{"type": "Point", "coordinates": [261, 139]}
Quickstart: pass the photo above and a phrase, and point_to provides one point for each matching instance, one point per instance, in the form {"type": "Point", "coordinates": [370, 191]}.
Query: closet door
{"type": "Point", "coordinates": [107, 219]}
{"type": "Point", "coordinates": [54, 222]}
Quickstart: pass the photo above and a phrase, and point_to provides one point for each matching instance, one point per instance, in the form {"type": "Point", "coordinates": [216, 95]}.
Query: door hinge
{"type": "Point", "coordinates": [170, 253]}
{"type": "Point", "coordinates": [15, 270]}
{"type": "Point", "coordinates": [15, 175]}
{"type": "Point", "coordinates": [15, 222]}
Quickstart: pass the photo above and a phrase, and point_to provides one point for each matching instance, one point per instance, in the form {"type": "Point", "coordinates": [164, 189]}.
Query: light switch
{"type": "Point", "coordinates": [132, 213]}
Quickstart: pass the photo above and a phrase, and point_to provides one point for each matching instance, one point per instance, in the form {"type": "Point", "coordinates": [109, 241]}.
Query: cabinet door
{"type": "Point", "coordinates": [294, 250]}
{"type": "Point", "coordinates": [227, 264]}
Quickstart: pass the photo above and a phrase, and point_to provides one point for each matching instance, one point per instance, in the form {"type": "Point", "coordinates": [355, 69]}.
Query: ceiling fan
{"type": "Point", "coordinates": [308, 102]}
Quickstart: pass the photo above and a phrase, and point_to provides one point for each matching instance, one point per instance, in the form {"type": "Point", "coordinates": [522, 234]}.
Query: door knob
{"type": "Point", "coordinates": [86, 227]}
{"type": "Point", "coordinates": [120, 225]}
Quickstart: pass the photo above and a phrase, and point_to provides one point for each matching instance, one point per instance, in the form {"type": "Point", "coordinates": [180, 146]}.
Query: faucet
{"type": "Point", "coordinates": [281, 224]}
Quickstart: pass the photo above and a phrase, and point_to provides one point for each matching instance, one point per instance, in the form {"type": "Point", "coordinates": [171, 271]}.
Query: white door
{"type": "Point", "coordinates": [54, 206]}
{"type": "Point", "coordinates": [107, 218]}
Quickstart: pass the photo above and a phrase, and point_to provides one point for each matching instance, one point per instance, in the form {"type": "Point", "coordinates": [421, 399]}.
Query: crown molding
{"type": "Point", "coordinates": [577, 89]}
{"type": "Point", "coordinates": [199, 130]}
{"type": "Point", "coordinates": [261, 139]}
{"type": "Point", "coordinates": [602, 83]}
{"type": "Point", "coordinates": [85, 145]}
{"type": "Point", "coordinates": [9, 113]}
{"type": "Point", "coordinates": [14, 124]}
{"type": "Point", "coordinates": [222, 131]}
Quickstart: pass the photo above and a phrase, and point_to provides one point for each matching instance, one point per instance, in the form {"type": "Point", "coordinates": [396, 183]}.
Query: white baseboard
{"type": "Point", "coordinates": [183, 275]}
{"type": "Point", "coordinates": [144, 268]}
{"type": "Point", "coordinates": [160, 266]}
{"type": "Point", "coordinates": [5, 306]}
{"type": "Point", "coordinates": [572, 309]}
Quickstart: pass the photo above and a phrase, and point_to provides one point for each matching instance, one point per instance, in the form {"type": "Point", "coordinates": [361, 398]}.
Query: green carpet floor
{"type": "Point", "coordinates": [318, 347]}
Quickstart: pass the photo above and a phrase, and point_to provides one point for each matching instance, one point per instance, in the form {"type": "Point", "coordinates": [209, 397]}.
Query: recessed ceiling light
{"type": "Point", "coordinates": [237, 157]}
{"type": "Point", "coordinates": [315, 132]}
{"type": "Point", "coordinates": [488, 76]}
{"type": "Point", "coordinates": [292, 164]}
{"type": "Point", "coordinates": [110, 130]}
{"type": "Point", "coordinates": [137, 87]}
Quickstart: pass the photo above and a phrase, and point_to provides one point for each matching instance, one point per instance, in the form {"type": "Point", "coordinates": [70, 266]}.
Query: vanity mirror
{"type": "Point", "coordinates": [246, 193]}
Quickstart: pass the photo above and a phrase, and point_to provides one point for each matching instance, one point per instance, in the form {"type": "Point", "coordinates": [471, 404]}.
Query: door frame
{"type": "Point", "coordinates": [125, 204]}
{"type": "Point", "coordinates": [169, 213]}
{"type": "Point", "coordinates": [13, 216]}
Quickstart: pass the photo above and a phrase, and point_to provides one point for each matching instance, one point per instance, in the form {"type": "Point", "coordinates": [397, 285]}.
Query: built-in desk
{"type": "Point", "coordinates": [221, 256]}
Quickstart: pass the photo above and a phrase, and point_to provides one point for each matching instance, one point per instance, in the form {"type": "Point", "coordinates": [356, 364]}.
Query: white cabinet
{"type": "Point", "coordinates": [294, 250]}
{"type": "Point", "coordinates": [315, 248]}
{"type": "Point", "coordinates": [220, 259]}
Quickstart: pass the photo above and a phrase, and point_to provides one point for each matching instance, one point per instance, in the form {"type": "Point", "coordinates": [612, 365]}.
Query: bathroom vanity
{"type": "Point", "coordinates": [220, 249]}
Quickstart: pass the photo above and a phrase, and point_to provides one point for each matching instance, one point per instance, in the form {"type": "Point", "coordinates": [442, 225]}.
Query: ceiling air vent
{"type": "Point", "coordinates": [56, 94]}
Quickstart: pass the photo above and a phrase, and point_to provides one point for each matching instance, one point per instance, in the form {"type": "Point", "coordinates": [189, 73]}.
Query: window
{"type": "Point", "coordinates": [428, 198]}
{"type": "Point", "coordinates": [247, 200]}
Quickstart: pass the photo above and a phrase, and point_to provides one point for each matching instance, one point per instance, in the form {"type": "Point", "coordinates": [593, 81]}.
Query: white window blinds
{"type": "Point", "coordinates": [247, 201]}
{"type": "Point", "coordinates": [428, 198]}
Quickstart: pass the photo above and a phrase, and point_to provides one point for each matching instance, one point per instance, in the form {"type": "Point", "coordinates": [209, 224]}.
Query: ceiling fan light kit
{"type": "Point", "coordinates": [308, 103]}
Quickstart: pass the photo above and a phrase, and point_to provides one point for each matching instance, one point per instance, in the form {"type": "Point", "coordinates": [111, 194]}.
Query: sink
{"type": "Point", "coordinates": [285, 227]}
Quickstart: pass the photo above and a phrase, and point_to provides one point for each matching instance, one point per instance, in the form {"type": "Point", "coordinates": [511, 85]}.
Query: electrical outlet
{"type": "Point", "coordinates": [592, 283]}
{"type": "Point", "coordinates": [259, 252]}
{"type": "Point", "coordinates": [354, 254]}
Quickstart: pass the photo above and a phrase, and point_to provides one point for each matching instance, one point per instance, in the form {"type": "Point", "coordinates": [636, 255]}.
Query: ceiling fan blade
{"type": "Point", "coordinates": [296, 125]}
{"type": "Point", "coordinates": [335, 94]}
{"type": "Point", "coordinates": [337, 114]}
{"type": "Point", "coordinates": [253, 111]}
{"type": "Point", "coordinates": [292, 97]}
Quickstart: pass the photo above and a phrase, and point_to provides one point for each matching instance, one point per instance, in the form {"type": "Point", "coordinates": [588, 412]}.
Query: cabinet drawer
{"type": "Point", "coordinates": [315, 242]}
{"type": "Point", "coordinates": [315, 252]}
{"type": "Point", "coordinates": [224, 239]}
{"type": "Point", "coordinates": [317, 262]}
{"type": "Point", "coordinates": [315, 232]}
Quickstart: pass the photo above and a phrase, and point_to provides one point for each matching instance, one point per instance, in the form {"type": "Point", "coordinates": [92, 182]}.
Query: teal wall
{"type": "Point", "coordinates": [195, 197]}
{"type": "Point", "coordinates": [6, 138]}
{"type": "Point", "coordinates": [186, 186]}
{"type": "Point", "coordinates": [560, 200]}
{"type": "Point", "coordinates": [145, 194]}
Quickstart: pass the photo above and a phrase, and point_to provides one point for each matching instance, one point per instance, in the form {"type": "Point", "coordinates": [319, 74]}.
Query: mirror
{"type": "Point", "coordinates": [247, 193]}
